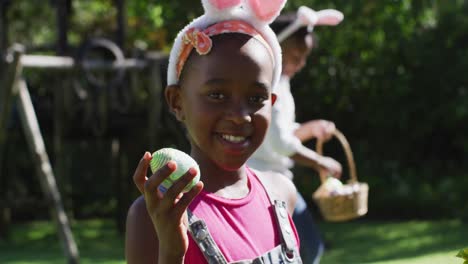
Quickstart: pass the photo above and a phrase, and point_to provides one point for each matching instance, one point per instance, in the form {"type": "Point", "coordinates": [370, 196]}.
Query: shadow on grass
{"type": "Point", "coordinates": [363, 241]}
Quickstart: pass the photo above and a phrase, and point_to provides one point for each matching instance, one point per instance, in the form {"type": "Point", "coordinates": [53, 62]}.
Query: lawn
{"type": "Point", "coordinates": [37, 243]}
{"type": "Point", "coordinates": [410, 242]}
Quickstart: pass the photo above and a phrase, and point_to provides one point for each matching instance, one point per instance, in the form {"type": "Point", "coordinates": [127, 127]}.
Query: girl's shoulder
{"type": "Point", "coordinates": [279, 187]}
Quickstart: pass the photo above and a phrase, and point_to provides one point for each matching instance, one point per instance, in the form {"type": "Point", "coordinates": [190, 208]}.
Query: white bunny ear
{"type": "Point", "coordinates": [217, 10]}
{"type": "Point", "coordinates": [306, 16]}
{"type": "Point", "coordinates": [220, 5]}
{"type": "Point", "coordinates": [329, 17]}
{"type": "Point", "coordinates": [257, 12]}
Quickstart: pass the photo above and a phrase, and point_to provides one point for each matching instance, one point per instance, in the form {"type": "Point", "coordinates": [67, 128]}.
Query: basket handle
{"type": "Point", "coordinates": [348, 152]}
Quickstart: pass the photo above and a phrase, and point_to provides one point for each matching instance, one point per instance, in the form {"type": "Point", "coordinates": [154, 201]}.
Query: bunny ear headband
{"type": "Point", "coordinates": [309, 17]}
{"type": "Point", "coordinates": [251, 17]}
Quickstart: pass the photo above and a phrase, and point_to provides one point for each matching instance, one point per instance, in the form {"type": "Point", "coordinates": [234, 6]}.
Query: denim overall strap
{"type": "Point", "coordinates": [287, 233]}
{"type": "Point", "coordinates": [200, 234]}
{"type": "Point", "coordinates": [288, 244]}
{"type": "Point", "coordinates": [286, 253]}
{"type": "Point", "coordinates": [274, 256]}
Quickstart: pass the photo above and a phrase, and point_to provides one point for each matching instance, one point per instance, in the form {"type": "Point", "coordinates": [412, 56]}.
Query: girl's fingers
{"type": "Point", "coordinates": [173, 200]}
{"type": "Point", "coordinates": [187, 198]}
{"type": "Point", "coordinates": [179, 185]}
{"type": "Point", "coordinates": [151, 185]}
{"type": "Point", "coordinates": [139, 177]}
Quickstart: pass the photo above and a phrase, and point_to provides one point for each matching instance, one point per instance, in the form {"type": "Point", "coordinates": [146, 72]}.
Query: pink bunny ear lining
{"type": "Point", "coordinates": [223, 4]}
{"type": "Point", "coordinates": [328, 21]}
{"type": "Point", "coordinates": [266, 10]}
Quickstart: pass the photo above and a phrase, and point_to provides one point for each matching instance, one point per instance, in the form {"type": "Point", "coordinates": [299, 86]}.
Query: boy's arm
{"type": "Point", "coordinates": [320, 129]}
{"type": "Point", "coordinates": [309, 158]}
{"type": "Point", "coordinates": [141, 241]}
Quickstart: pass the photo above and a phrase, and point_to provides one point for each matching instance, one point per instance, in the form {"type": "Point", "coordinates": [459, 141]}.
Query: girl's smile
{"type": "Point", "coordinates": [234, 144]}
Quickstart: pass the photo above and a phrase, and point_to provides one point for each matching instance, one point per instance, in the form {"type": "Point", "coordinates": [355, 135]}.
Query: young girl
{"type": "Point", "coordinates": [222, 69]}
{"type": "Point", "coordinates": [283, 146]}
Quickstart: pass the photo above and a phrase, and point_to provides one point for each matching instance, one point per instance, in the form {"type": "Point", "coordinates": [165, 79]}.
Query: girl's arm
{"type": "Point", "coordinates": [141, 241]}
{"type": "Point", "coordinates": [157, 222]}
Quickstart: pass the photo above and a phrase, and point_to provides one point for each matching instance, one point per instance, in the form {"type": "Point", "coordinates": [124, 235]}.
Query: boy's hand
{"type": "Point", "coordinates": [167, 210]}
{"type": "Point", "coordinates": [322, 129]}
{"type": "Point", "coordinates": [331, 166]}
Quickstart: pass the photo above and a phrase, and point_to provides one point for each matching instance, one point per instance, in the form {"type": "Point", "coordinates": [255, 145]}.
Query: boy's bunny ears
{"type": "Point", "coordinates": [251, 17]}
{"type": "Point", "coordinates": [260, 11]}
{"type": "Point", "coordinates": [310, 18]}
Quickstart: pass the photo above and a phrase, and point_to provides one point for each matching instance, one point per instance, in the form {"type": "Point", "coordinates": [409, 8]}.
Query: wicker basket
{"type": "Point", "coordinates": [336, 207]}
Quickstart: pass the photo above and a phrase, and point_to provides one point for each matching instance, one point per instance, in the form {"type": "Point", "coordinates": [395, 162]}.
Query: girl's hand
{"type": "Point", "coordinates": [167, 210]}
{"type": "Point", "coordinates": [331, 166]}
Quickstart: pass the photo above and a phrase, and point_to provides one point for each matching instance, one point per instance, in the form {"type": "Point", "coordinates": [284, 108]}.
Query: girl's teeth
{"type": "Point", "coordinates": [234, 139]}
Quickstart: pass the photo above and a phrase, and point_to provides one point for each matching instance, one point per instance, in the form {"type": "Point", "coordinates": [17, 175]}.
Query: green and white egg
{"type": "Point", "coordinates": [184, 163]}
{"type": "Point", "coordinates": [333, 184]}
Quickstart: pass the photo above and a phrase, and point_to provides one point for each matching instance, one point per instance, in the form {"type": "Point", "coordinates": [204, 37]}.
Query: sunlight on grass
{"type": "Point", "coordinates": [439, 258]}
{"type": "Point", "coordinates": [355, 242]}
{"type": "Point", "coordinates": [405, 242]}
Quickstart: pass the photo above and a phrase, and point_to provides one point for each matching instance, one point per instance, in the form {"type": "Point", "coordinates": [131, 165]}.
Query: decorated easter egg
{"type": "Point", "coordinates": [184, 163]}
{"type": "Point", "coordinates": [333, 184]}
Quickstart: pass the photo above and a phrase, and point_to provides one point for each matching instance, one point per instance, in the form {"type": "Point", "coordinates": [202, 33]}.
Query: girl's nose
{"type": "Point", "coordinates": [238, 114]}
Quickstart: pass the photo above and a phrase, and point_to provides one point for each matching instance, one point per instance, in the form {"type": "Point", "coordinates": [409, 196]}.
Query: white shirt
{"type": "Point", "coordinates": [280, 141]}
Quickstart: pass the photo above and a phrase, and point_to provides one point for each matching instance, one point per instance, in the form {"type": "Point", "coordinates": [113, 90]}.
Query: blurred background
{"type": "Point", "coordinates": [392, 76]}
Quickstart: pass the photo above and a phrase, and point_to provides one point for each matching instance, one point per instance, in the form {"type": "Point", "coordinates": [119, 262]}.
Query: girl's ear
{"type": "Point", "coordinates": [273, 98]}
{"type": "Point", "coordinates": [173, 99]}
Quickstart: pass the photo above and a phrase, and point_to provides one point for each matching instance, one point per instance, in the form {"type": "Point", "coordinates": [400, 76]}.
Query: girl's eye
{"type": "Point", "coordinates": [217, 96]}
{"type": "Point", "coordinates": [258, 98]}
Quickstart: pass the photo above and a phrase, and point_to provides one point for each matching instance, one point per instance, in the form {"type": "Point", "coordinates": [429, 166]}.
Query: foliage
{"type": "Point", "coordinates": [31, 24]}
{"type": "Point", "coordinates": [154, 23]}
{"type": "Point", "coordinates": [463, 254]}
{"type": "Point", "coordinates": [392, 77]}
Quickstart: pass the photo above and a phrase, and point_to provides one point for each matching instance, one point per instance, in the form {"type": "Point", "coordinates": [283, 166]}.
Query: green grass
{"type": "Point", "coordinates": [411, 242]}
{"type": "Point", "coordinates": [38, 243]}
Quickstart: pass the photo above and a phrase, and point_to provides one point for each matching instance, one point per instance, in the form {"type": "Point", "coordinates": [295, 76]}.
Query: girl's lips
{"type": "Point", "coordinates": [233, 139]}
{"type": "Point", "coordinates": [234, 144]}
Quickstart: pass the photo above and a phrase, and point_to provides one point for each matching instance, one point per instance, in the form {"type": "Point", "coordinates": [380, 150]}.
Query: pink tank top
{"type": "Point", "coordinates": [242, 228]}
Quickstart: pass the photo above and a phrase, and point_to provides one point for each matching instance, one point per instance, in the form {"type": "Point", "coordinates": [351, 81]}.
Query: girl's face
{"type": "Point", "coordinates": [225, 99]}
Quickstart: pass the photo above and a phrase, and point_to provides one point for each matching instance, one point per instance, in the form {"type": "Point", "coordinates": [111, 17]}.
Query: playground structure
{"type": "Point", "coordinates": [102, 84]}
